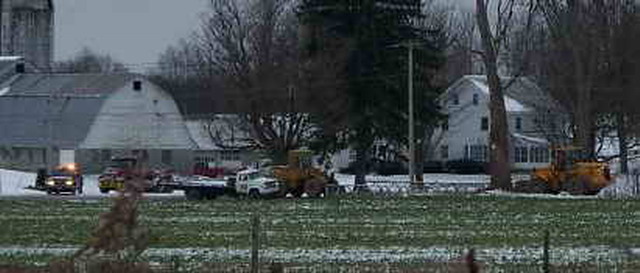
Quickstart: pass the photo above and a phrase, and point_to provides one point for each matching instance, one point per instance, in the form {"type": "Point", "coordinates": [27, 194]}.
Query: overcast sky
{"type": "Point", "coordinates": [132, 31]}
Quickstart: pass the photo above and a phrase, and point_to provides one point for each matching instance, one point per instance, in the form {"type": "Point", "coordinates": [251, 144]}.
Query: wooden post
{"type": "Point", "coordinates": [255, 243]}
{"type": "Point", "coordinates": [545, 254]}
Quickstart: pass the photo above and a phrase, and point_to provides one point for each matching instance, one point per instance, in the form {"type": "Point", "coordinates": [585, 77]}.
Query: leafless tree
{"type": "Point", "coordinates": [591, 66]}
{"type": "Point", "coordinates": [493, 38]}
{"type": "Point", "coordinates": [89, 61]}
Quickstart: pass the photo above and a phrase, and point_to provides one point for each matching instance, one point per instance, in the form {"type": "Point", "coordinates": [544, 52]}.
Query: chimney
{"type": "Point", "coordinates": [20, 68]}
{"type": "Point", "coordinates": [137, 85]}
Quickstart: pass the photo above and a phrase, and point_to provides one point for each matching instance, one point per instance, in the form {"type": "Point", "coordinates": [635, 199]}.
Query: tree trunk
{"type": "Point", "coordinates": [419, 166]}
{"type": "Point", "coordinates": [585, 135]}
{"type": "Point", "coordinates": [499, 165]}
{"type": "Point", "coordinates": [362, 162]}
{"type": "Point", "coordinates": [622, 143]}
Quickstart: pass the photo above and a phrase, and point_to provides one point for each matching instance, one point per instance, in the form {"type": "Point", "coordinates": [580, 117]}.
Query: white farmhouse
{"type": "Point", "coordinates": [535, 121]}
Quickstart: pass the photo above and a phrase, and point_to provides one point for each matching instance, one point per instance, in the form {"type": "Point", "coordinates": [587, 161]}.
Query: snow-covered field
{"type": "Point", "coordinates": [506, 255]}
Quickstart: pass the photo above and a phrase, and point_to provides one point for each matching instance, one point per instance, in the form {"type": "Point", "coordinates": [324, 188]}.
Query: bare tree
{"type": "Point", "coordinates": [493, 41]}
{"type": "Point", "coordinates": [88, 61]}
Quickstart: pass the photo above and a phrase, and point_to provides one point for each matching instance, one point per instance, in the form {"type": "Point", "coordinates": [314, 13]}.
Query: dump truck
{"type": "Point", "coordinates": [570, 171]}
{"type": "Point", "coordinates": [299, 176]}
{"type": "Point", "coordinates": [124, 169]}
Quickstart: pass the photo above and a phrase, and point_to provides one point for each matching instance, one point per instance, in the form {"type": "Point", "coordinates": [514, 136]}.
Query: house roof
{"type": "Point", "coordinates": [222, 132]}
{"type": "Point", "coordinates": [37, 109]}
{"type": "Point", "coordinates": [521, 95]}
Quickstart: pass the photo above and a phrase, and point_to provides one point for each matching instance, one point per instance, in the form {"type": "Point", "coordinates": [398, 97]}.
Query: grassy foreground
{"type": "Point", "coordinates": [455, 221]}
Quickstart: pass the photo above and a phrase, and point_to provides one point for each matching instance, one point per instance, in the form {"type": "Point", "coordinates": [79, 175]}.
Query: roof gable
{"type": "Point", "coordinates": [47, 84]}
{"type": "Point", "coordinates": [521, 95]}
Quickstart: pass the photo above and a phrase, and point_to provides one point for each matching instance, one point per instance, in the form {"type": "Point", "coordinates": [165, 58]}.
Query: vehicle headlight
{"type": "Point", "coordinates": [50, 182]}
{"type": "Point", "coordinates": [68, 183]}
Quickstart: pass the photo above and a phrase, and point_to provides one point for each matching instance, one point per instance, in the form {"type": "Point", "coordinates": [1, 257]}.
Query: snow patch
{"type": "Point", "coordinates": [510, 104]}
{"type": "Point", "coordinates": [624, 186]}
{"type": "Point", "coordinates": [4, 91]}
{"type": "Point", "coordinates": [504, 255]}
{"type": "Point", "coordinates": [10, 58]}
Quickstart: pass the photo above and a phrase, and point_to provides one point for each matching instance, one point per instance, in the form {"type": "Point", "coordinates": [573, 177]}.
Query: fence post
{"type": "Point", "coordinates": [545, 253]}
{"type": "Point", "coordinates": [255, 243]}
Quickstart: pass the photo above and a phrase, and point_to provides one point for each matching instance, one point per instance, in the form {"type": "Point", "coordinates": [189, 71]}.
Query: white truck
{"type": "Point", "coordinates": [256, 183]}
{"type": "Point", "coordinates": [252, 182]}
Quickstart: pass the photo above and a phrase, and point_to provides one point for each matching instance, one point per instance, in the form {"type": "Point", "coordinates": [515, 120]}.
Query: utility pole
{"type": "Point", "coordinates": [412, 142]}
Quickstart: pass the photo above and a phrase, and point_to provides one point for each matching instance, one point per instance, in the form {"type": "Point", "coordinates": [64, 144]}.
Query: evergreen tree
{"type": "Point", "coordinates": [376, 68]}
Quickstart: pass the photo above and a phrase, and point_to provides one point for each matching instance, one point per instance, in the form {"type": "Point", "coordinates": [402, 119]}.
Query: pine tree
{"type": "Point", "coordinates": [376, 69]}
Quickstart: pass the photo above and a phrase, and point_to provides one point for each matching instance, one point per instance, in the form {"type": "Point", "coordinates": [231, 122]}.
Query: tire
{"type": "Point", "coordinates": [211, 196]}
{"type": "Point", "coordinates": [315, 187]}
{"type": "Point", "coordinates": [532, 186]}
{"type": "Point", "coordinates": [104, 191]}
{"type": "Point", "coordinates": [254, 194]}
{"type": "Point", "coordinates": [578, 186]}
{"type": "Point", "coordinates": [193, 194]}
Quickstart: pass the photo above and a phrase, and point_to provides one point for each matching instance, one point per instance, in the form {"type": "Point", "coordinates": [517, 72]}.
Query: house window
{"type": "Point", "coordinates": [521, 154]}
{"type": "Point", "coordinates": [479, 153]}
{"type": "Point", "coordinates": [484, 124]}
{"type": "Point", "coordinates": [456, 99]}
{"type": "Point", "coordinates": [445, 125]}
{"type": "Point", "coordinates": [166, 157]}
{"type": "Point", "coordinates": [231, 155]}
{"type": "Point", "coordinates": [444, 152]}
{"type": "Point", "coordinates": [475, 99]}
{"type": "Point", "coordinates": [30, 155]}
{"type": "Point", "coordinates": [539, 154]}
{"type": "Point", "coordinates": [352, 155]}
{"type": "Point", "coordinates": [518, 124]}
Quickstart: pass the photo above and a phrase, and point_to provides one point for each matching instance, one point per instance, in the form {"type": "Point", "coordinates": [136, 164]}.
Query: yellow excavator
{"type": "Point", "coordinates": [299, 176]}
{"type": "Point", "coordinates": [570, 171]}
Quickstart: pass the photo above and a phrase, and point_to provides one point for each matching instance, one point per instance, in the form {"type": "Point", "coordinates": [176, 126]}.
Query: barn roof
{"type": "Point", "coordinates": [36, 109]}
{"type": "Point", "coordinates": [46, 84]}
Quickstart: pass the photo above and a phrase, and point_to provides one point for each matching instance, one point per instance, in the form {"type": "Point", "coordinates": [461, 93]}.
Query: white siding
{"type": "Point", "coordinates": [146, 119]}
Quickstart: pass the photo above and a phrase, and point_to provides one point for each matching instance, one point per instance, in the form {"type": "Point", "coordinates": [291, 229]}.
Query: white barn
{"type": "Point", "coordinates": [535, 121]}
{"type": "Point", "coordinates": [47, 119]}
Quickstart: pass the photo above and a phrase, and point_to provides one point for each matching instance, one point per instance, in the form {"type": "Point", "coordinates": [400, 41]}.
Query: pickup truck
{"type": "Point", "coordinates": [251, 182]}
{"type": "Point", "coordinates": [256, 183]}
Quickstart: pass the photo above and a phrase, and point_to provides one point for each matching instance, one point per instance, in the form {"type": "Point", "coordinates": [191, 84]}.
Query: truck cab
{"type": "Point", "coordinates": [256, 183]}
{"type": "Point", "coordinates": [64, 178]}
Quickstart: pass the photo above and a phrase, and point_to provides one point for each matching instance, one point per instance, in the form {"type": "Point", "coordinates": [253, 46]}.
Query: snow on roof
{"type": "Point", "coordinates": [510, 104]}
{"type": "Point", "coordinates": [530, 139]}
{"type": "Point", "coordinates": [223, 132]}
{"type": "Point", "coordinates": [10, 58]}
{"type": "Point", "coordinates": [4, 91]}
{"type": "Point", "coordinates": [200, 135]}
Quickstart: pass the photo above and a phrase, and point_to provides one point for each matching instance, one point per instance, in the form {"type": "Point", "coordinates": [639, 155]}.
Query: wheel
{"type": "Point", "coordinates": [578, 186]}
{"type": "Point", "coordinates": [314, 187]}
{"type": "Point", "coordinates": [532, 186]}
{"type": "Point", "coordinates": [193, 194]}
{"type": "Point", "coordinates": [254, 193]}
{"type": "Point", "coordinates": [104, 191]}
{"type": "Point", "coordinates": [211, 196]}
